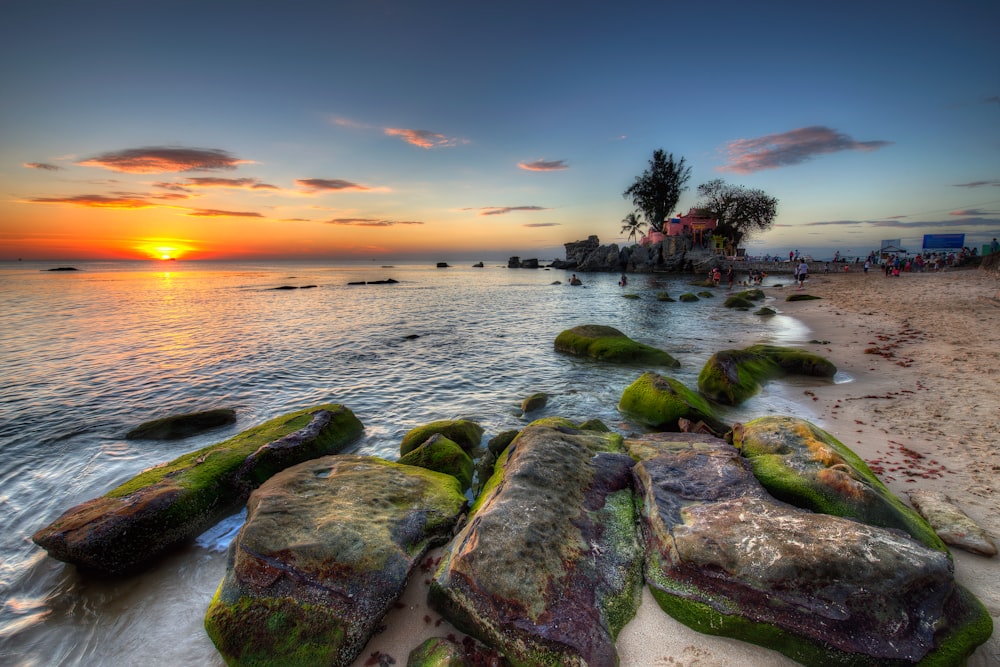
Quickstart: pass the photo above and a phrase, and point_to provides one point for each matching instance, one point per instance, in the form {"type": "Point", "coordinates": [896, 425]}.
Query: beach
{"type": "Point", "coordinates": [922, 352]}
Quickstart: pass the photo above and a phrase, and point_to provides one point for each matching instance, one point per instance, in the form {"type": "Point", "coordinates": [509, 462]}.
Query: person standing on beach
{"type": "Point", "coordinates": [994, 246]}
{"type": "Point", "coordinates": [803, 272]}
{"type": "Point", "coordinates": [731, 276]}
{"type": "Point", "coordinates": [868, 265]}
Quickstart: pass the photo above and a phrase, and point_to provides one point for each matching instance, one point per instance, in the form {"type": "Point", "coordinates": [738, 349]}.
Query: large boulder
{"type": "Point", "coordinates": [800, 463]}
{"type": "Point", "coordinates": [732, 376]}
{"type": "Point", "coordinates": [725, 558]}
{"type": "Point", "coordinates": [463, 432]}
{"type": "Point", "coordinates": [661, 402]}
{"type": "Point", "coordinates": [609, 344]}
{"type": "Point", "coordinates": [548, 568]}
{"type": "Point", "coordinates": [133, 524]}
{"type": "Point", "coordinates": [325, 552]}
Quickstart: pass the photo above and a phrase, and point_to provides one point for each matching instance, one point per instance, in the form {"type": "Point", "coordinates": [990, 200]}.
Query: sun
{"type": "Point", "coordinates": [163, 249]}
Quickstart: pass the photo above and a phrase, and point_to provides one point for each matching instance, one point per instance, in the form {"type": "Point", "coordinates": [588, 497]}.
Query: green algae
{"type": "Point", "coordinates": [732, 376]}
{"type": "Point", "coordinates": [688, 297]}
{"type": "Point", "coordinates": [465, 433]}
{"type": "Point", "coordinates": [659, 401]}
{"type": "Point", "coordinates": [442, 455]}
{"type": "Point", "coordinates": [609, 344]}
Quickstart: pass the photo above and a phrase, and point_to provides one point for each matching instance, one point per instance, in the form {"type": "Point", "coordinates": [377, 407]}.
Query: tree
{"type": "Point", "coordinates": [632, 224]}
{"type": "Point", "coordinates": [657, 190]}
{"type": "Point", "coordinates": [741, 212]}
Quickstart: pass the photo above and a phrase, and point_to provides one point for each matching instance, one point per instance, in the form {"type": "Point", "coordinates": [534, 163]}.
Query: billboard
{"type": "Point", "coordinates": [943, 241]}
{"type": "Point", "coordinates": [892, 243]}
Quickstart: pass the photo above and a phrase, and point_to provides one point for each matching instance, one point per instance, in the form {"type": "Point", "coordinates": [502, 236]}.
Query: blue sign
{"type": "Point", "coordinates": [943, 241]}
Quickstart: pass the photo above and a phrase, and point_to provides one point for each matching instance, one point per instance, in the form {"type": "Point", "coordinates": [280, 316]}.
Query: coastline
{"type": "Point", "coordinates": [928, 391]}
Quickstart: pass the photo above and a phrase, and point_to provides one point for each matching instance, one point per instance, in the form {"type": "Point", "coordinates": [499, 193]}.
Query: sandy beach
{"type": "Point", "coordinates": [923, 355]}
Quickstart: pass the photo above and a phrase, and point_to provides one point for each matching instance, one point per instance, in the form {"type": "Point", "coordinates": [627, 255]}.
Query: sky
{"type": "Point", "coordinates": [394, 129]}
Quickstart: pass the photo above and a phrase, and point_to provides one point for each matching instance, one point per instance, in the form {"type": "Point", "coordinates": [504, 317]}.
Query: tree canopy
{"type": "Point", "coordinates": [632, 225]}
{"type": "Point", "coordinates": [741, 211]}
{"type": "Point", "coordinates": [658, 189]}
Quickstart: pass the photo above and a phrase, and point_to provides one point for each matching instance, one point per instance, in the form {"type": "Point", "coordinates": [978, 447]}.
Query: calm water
{"type": "Point", "coordinates": [87, 355]}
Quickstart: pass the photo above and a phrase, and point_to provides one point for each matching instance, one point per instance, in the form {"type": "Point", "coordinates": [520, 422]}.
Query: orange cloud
{"type": "Point", "coordinates": [217, 213]}
{"type": "Point", "coordinates": [210, 182]}
{"type": "Point", "coordinates": [42, 165]}
{"type": "Point", "coordinates": [161, 159]}
{"type": "Point", "coordinates": [423, 138]}
{"type": "Point", "coordinates": [370, 222]}
{"type": "Point", "coordinates": [501, 210]}
{"type": "Point", "coordinates": [97, 201]}
{"type": "Point", "coordinates": [544, 165]}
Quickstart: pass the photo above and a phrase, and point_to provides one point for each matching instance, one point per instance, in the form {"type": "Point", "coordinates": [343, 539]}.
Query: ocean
{"type": "Point", "coordinates": [87, 355]}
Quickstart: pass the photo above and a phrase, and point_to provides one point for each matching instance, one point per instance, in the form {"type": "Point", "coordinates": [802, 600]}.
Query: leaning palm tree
{"type": "Point", "coordinates": [633, 225]}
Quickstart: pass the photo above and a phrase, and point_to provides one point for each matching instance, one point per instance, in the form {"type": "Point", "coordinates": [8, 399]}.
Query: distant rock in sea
{"type": "Point", "coordinates": [64, 268]}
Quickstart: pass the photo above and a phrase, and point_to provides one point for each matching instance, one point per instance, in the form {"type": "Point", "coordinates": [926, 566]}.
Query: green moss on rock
{"type": "Point", "coordinates": [465, 433]}
{"type": "Point", "coordinates": [737, 301]}
{"type": "Point", "coordinates": [609, 344]}
{"type": "Point", "coordinates": [766, 312]}
{"type": "Point", "coordinates": [688, 297]}
{"type": "Point", "coordinates": [182, 426]}
{"type": "Point", "coordinates": [658, 401]}
{"type": "Point", "coordinates": [440, 454]}
{"type": "Point", "coordinates": [801, 297]}
{"type": "Point", "coordinates": [732, 376]}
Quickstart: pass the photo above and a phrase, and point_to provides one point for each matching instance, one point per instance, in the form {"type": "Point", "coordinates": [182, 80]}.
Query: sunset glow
{"type": "Point", "coordinates": [467, 149]}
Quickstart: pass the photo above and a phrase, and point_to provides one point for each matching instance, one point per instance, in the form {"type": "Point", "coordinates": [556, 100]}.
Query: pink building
{"type": "Point", "coordinates": [695, 222]}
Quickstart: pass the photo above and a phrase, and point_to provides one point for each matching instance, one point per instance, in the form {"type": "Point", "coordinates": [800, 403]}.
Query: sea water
{"type": "Point", "coordinates": [86, 355]}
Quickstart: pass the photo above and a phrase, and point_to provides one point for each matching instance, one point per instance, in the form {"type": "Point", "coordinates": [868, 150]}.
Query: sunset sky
{"type": "Point", "coordinates": [480, 130]}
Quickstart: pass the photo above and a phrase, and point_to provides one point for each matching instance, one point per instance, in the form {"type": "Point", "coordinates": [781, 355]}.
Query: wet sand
{"type": "Point", "coordinates": [923, 352]}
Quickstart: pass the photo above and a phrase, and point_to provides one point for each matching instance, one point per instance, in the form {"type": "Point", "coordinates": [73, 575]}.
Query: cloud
{"type": "Point", "coordinates": [370, 222]}
{"type": "Point", "coordinates": [97, 201]}
{"type": "Point", "coordinates": [970, 211]}
{"type": "Point", "coordinates": [162, 159]}
{"type": "Point", "coordinates": [423, 138]}
{"type": "Point", "coordinates": [42, 165]}
{"type": "Point", "coordinates": [899, 224]}
{"type": "Point", "coordinates": [217, 213]}
{"type": "Point", "coordinates": [977, 184]}
{"type": "Point", "coordinates": [214, 182]}
{"type": "Point", "coordinates": [995, 99]}
{"type": "Point", "coordinates": [745, 156]}
{"type": "Point", "coordinates": [544, 165]}
{"type": "Point", "coordinates": [317, 184]}
{"type": "Point", "coordinates": [501, 210]}
{"type": "Point", "coordinates": [542, 224]}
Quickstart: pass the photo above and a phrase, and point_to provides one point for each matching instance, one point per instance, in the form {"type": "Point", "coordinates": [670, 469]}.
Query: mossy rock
{"type": "Point", "coordinates": [737, 301]}
{"type": "Point", "coordinates": [463, 432]}
{"type": "Point", "coordinates": [438, 652]}
{"type": "Point", "coordinates": [536, 401]}
{"type": "Point", "coordinates": [630, 295]}
{"type": "Point", "coordinates": [801, 297]}
{"type": "Point", "coordinates": [702, 283]}
{"type": "Point", "coordinates": [706, 295]}
{"type": "Point", "coordinates": [136, 522]}
{"type": "Point", "coordinates": [659, 402]}
{"type": "Point", "coordinates": [732, 376]}
{"type": "Point", "coordinates": [688, 297]}
{"type": "Point", "coordinates": [766, 312]}
{"type": "Point", "coordinates": [610, 344]}
{"type": "Point", "coordinates": [801, 464]}
{"type": "Point", "coordinates": [752, 294]}
{"type": "Point", "coordinates": [176, 427]}
{"type": "Point", "coordinates": [440, 454]}
{"type": "Point", "coordinates": [663, 296]}
{"type": "Point", "coordinates": [594, 425]}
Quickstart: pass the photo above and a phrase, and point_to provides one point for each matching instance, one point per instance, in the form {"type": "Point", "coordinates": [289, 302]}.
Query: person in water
{"type": "Point", "coordinates": [624, 281]}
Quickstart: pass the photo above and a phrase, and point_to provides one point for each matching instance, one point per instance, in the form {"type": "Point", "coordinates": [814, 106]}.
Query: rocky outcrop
{"type": "Point", "coordinates": [536, 401]}
{"type": "Point", "coordinates": [669, 255]}
{"type": "Point", "coordinates": [951, 524]}
{"type": "Point", "coordinates": [138, 521]}
{"type": "Point", "coordinates": [609, 344]}
{"type": "Point", "coordinates": [548, 568]}
{"type": "Point", "coordinates": [326, 550]}
{"type": "Point", "coordinates": [182, 426]}
{"type": "Point", "coordinates": [724, 557]}
{"type": "Point", "coordinates": [440, 454]}
{"type": "Point", "coordinates": [800, 463]}
{"type": "Point", "coordinates": [732, 376]}
{"type": "Point", "coordinates": [663, 403]}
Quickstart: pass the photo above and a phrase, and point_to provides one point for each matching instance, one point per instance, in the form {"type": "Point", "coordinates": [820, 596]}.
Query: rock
{"type": "Point", "coordinates": [477, 265]}
{"type": "Point", "coordinates": [443, 265]}
{"type": "Point", "coordinates": [663, 296]}
{"type": "Point", "coordinates": [182, 426]}
{"type": "Point", "coordinates": [326, 550]}
{"type": "Point", "coordinates": [165, 506]}
{"type": "Point", "coordinates": [725, 558]}
{"type": "Point", "coordinates": [631, 296]}
{"type": "Point", "coordinates": [548, 568]}
{"type": "Point", "coordinates": [536, 401]}
{"type": "Point", "coordinates": [951, 524]}
{"type": "Point", "coordinates": [737, 301]}
{"type": "Point", "coordinates": [706, 295]}
{"type": "Point", "coordinates": [64, 268]}
{"type": "Point", "coordinates": [659, 402]}
{"type": "Point", "coordinates": [801, 297]}
{"type": "Point", "coordinates": [440, 454]}
{"type": "Point", "coordinates": [751, 294]}
{"type": "Point", "coordinates": [732, 376]}
{"type": "Point", "coordinates": [766, 312]}
{"type": "Point", "coordinates": [803, 465]}
{"type": "Point", "coordinates": [465, 433]}
{"type": "Point", "coordinates": [688, 297]}
{"type": "Point", "coordinates": [447, 652]}
{"type": "Point", "coordinates": [610, 344]}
